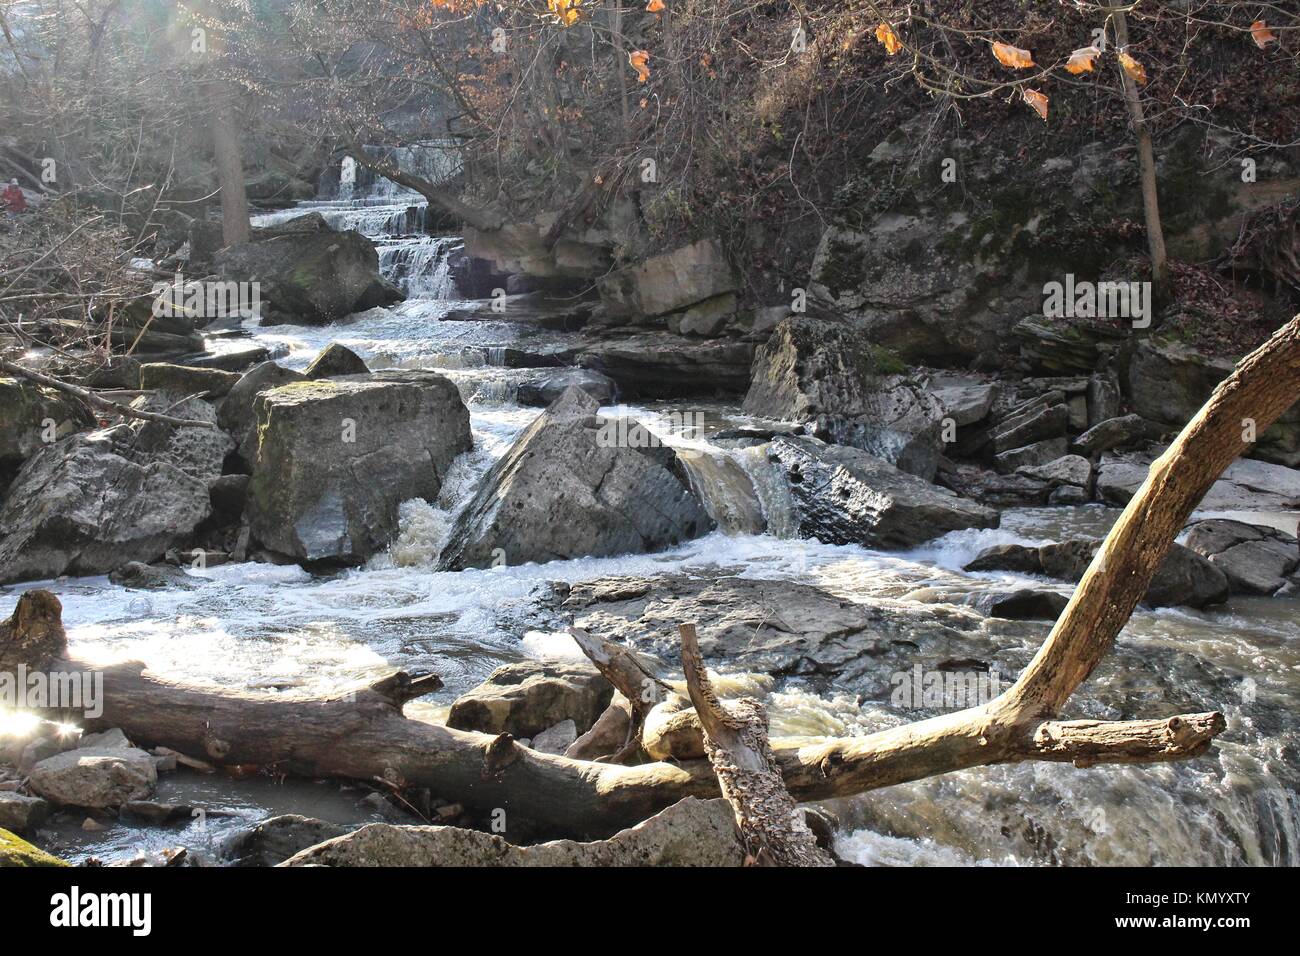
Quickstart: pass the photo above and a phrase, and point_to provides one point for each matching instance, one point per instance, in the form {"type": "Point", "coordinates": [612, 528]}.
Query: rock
{"type": "Point", "coordinates": [1103, 398]}
{"type": "Point", "coordinates": [667, 366]}
{"type": "Point", "coordinates": [842, 495]}
{"type": "Point", "coordinates": [97, 500]}
{"type": "Point", "coordinates": [547, 388]}
{"type": "Point", "coordinates": [998, 491]}
{"type": "Point", "coordinates": [607, 735]}
{"type": "Point", "coordinates": [274, 840]}
{"type": "Point", "coordinates": [691, 832]}
{"type": "Point", "coordinates": [184, 380]}
{"type": "Point", "coordinates": [1168, 381]}
{"type": "Point", "coordinates": [21, 814]}
{"type": "Point", "coordinates": [155, 813]}
{"type": "Point", "coordinates": [1256, 559]}
{"type": "Point", "coordinates": [966, 403]}
{"type": "Point", "coordinates": [239, 358]}
{"type": "Point", "coordinates": [1062, 345]}
{"type": "Point", "coordinates": [1246, 485]}
{"type": "Point", "coordinates": [150, 577]}
{"type": "Point", "coordinates": [32, 417]}
{"type": "Point", "coordinates": [114, 739]}
{"type": "Point", "coordinates": [94, 778]}
{"type": "Point", "coordinates": [531, 697]}
{"type": "Point", "coordinates": [669, 282]}
{"type": "Point", "coordinates": [1124, 432]}
{"type": "Point", "coordinates": [1184, 578]}
{"type": "Point", "coordinates": [916, 454]}
{"type": "Point", "coordinates": [1038, 420]}
{"type": "Point", "coordinates": [19, 853]}
{"type": "Point", "coordinates": [1022, 604]}
{"type": "Point", "coordinates": [1068, 495]}
{"type": "Point", "coordinates": [228, 495]}
{"type": "Point", "coordinates": [1066, 470]}
{"type": "Point", "coordinates": [707, 318]}
{"type": "Point", "coordinates": [1037, 454]}
{"type": "Point", "coordinates": [237, 415]}
{"type": "Point", "coordinates": [557, 739]}
{"type": "Point", "coordinates": [311, 278]}
{"type": "Point", "coordinates": [571, 486]}
{"type": "Point", "coordinates": [336, 360]}
{"type": "Point", "coordinates": [335, 459]}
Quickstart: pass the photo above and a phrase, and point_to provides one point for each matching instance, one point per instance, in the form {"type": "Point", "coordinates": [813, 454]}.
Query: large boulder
{"type": "Point", "coordinates": [842, 495]}
{"type": "Point", "coordinates": [309, 278]}
{"type": "Point", "coordinates": [95, 778]}
{"type": "Point", "coordinates": [691, 832]}
{"type": "Point", "coordinates": [237, 415]}
{"type": "Point", "coordinates": [1257, 559]}
{"type": "Point", "coordinates": [576, 485]}
{"type": "Point", "coordinates": [828, 372]}
{"type": "Point", "coordinates": [1184, 578]}
{"type": "Point", "coordinates": [527, 698]}
{"type": "Point", "coordinates": [97, 500]}
{"type": "Point", "coordinates": [1168, 380]}
{"type": "Point", "coordinates": [670, 282]}
{"type": "Point", "coordinates": [32, 417]}
{"type": "Point", "coordinates": [335, 458]}
{"type": "Point", "coordinates": [1247, 485]}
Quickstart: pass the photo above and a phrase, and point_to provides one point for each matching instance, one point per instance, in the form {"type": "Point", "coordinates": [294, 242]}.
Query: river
{"type": "Point", "coordinates": [282, 630]}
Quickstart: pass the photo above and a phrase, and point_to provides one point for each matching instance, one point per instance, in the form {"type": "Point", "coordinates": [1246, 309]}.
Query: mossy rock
{"type": "Point", "coordinates": [18, 852]}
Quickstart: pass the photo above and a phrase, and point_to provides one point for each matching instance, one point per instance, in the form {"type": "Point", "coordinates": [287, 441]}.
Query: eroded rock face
{"type": "Point", "coordinates": [575, 485]}
{"type": "Point", "coordinates": [32, 417]}
{"type": "Point", "coordinates": [669, 366]}
{"type": "Point", "coordinates": [1184, 578]}
{"type": "Point", "coordinates": [843, 495]}
{"type": "Point", "coordinates": [335, 459]}
{"type": "Point", "coordinates": [97, 500]}
{"type": "Point", "coordinates": [689, 833]}
{"type": "Point", "coordinates": [95, 778]}
{"type": "Point", "coordinates": [529, 697]}
{"type": "Point", "coordinates": [669, 282]}
{"type": "Point", "coordinates": [1257, 559]}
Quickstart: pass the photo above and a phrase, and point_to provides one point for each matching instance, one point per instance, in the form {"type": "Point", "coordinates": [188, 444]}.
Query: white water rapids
{"type": "Point", "coordinates": [282, 630]}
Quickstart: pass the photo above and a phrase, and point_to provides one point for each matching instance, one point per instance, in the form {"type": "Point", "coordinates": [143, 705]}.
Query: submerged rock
{"type": "Point", "coordinates": [531, 697]}
{"type": "Point", "coordinates": [335, 459]}
{"type": "Point", "coordinates": [576, 485]}
{"type": "Point", "coordinates": [97, 500]}
{"type": "Point", "coordinates": [691, 832]}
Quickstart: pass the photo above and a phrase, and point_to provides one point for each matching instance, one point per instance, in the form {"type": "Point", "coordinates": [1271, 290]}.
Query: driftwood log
{"type": "Point", "coordinates": [365, 736]}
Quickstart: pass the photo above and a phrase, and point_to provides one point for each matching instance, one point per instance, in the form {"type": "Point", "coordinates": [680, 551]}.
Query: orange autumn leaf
{"type": "Point", "coordinates": [565, 10]}
{"type": "Point", "coordinates": [638, 59]}
{"type": "Point", "coordinates": [1038, 101]}
{"type": "Point", "coordinates": [654, 6]}
{"type": "Point", "coordinates": [887, 36]}
{"type": "Point", "coordinates": [1133, 68]}
{"type": "Point", "coordinates": [1012, 56]}
{"type": "Point", "coordinates": [1261, 34]}
{"type": "Point", "coordinates": [1082, 60]}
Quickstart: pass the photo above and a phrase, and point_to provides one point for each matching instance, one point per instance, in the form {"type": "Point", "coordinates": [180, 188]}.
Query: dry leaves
{"type": "Point", "coordinates": [638, 59]}
{"type": "Point", "coordinates": [1012, 56]}
{"type": "Point", "coordinates": [1083, 60]}
{"type": "Point", "coordinates": [654, 6]}
{"type": "Point", "coordinates": [1261, 34]}
{"type": "Point", "coordinates": [1133, 68]}
{"type": "Point", "coordinates": [886, 35]}
{"type": "Point", "coordinates": [1038, 101]}
{"type": "Point", "coordinates": [566, 11]}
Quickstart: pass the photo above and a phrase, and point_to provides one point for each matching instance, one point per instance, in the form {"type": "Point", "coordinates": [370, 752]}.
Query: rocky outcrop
{"type": "Point", "coordinates": [335, 458]}
{"type": "Point", "coordinates": [690, 833]}
{"type": "Point", "coordinates": [842, 495]}
{"type": "Point", "coordinates": [671, 282]}
{"type": "Point", "coordinates": [827, 372]}
{"type": "Point", "coordinates": [527, 698]}
{"type": "Point", "coordinates": [1246, 485]}
{"type": "Point", "coordinates": [310, 277]}
{"type": "Point", "coordinates": [95, 778]}
{"type": "Point", "coordinates": [576, 485]}
{"type": "Point", "coordinates": [32, 417]}
{"type": "Point", "coordinates": [1184, 578]}
{"type": "Point", "coordinates": [1256, 559]}
{"type": "Point", "coordinates": [97, 500]}
{"type": "Point", "coordinates": [667, 366]}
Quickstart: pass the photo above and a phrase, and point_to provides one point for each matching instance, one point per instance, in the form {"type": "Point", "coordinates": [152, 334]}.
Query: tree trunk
{"type": "Point", "coordinates": [230, 167]}
{"type": "Point", "coordinates": [1147, 173]}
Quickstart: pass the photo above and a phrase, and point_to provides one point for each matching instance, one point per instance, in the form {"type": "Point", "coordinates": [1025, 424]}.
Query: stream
{"type": "Point", "coordinates": [281, 630]}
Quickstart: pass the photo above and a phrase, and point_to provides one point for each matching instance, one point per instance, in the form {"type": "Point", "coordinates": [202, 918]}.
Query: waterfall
{"type": "Point", "coordinates": [421, 267]}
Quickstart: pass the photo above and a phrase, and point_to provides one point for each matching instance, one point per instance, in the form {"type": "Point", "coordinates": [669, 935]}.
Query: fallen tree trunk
{"type": "Point", "coordinates": [364, 736]}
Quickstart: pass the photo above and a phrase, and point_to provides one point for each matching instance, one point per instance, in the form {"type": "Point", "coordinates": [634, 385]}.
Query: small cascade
{"type": "Point", "coordinates": [773, 490]}
{"type": "Point", "coordinates": [725, 489]}
{"type": "Point", "coordinates": [420, 267]}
